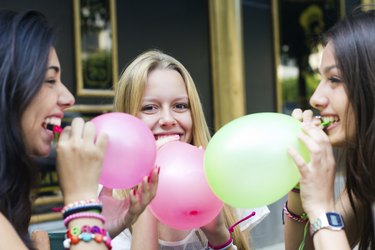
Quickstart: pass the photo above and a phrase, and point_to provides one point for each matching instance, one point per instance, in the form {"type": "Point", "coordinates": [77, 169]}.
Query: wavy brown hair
{"type": "Point", "coordinates": [353, 39]}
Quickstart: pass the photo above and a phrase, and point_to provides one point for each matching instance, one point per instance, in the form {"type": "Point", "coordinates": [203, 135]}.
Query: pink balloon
{"type": "Point", "coordinates": [131, 149]}
{"type": "Point", "coordinates": [183, 199]}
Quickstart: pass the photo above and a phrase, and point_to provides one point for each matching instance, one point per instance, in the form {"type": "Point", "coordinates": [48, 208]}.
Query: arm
{"type": "Point", "coordinates": [217, 232]}
{"type": "Point", "coordinates": [145, 232]}
{"type": "Point", "coordinates": [317, 183]}
{"type": "Point", "coordinates": [79, 163]}
{"type": "Point", "coordinates": [8, 236]}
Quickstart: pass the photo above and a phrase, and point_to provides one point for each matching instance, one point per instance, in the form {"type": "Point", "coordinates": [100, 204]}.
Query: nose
{"type": "Point", "coordinates": [319, 99]}
{"type": "Point", "coordinates": [167, 119]}
{"type": "Point", "coordinates": [65, 99]}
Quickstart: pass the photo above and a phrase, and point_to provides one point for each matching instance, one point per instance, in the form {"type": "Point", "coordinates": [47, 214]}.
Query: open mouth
{"type": "Point", "coordinates": [327, 121]}
{"type": "Point", "coordinates": [167, 137]}
{"type": "Point", "coordinates": [53, 124]}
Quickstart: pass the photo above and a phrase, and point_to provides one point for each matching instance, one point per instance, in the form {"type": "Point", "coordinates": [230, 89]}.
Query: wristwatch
{"type": "Point", "coordinates": [329, 220]}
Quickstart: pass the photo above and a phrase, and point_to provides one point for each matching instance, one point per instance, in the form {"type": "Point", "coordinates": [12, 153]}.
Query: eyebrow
{"type": "Point", "coordinates": [329, 68]}
{"type": "Point", "coordinates": [55, 68]}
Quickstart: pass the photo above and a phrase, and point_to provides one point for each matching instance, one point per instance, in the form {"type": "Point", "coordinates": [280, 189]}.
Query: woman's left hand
{"type": "Point", "coordinates": [122, 214]}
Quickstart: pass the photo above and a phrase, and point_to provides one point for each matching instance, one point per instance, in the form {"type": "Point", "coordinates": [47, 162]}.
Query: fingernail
{"type": "Point", "coordinates": [134, 191]}
{"type": "Point", "coordinates": [158, 170]}
{"type": "Point", "coordinates": [149, 179]}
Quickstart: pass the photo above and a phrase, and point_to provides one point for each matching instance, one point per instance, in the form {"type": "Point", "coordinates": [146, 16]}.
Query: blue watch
{"type": "Point", "coordinates": [329, 220]}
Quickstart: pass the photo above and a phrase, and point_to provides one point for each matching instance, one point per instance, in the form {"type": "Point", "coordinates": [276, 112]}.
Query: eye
{"type": "Point", "coordinates": [50, 81]}
{"type": "Point", "coordinates": [180, 107]}
{"type": "Point", "coordinates": [149, 108]}
{"type": "Point", "coordinates": [334, 79]}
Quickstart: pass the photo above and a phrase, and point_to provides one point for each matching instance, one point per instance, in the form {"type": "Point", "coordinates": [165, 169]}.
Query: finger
{"type": "Point", "coordinates": [307, 116]}
{"type": "Point", "coordinates": [315, 132]}
{"type": "Point", "coordinates": [106, 191]}
{"type": "Point", "coordinates": [298, 160]}
{"type": "Point", "coordinates": [316, 150]}
{"type": "Point", "coordinates": [102, 141]}
{"type": "Point", "coordinates": [77, 127]}
{"type": "Point", "coordinates": [134, 200]}
{"type": "Point", "coordinates": [154, 181]}
{"type": "Point", "coordinates": [89, 132]}
{"type": "Point", "coordinates": [65, 134]}
{"type": "Point", "coordinates": [297, 114]}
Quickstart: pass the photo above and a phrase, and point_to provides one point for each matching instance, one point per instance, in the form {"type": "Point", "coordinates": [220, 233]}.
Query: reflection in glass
{"type": "Point", "coordinates": [96, 44]}
{"type": "Point", "coordinates": [300, 23]}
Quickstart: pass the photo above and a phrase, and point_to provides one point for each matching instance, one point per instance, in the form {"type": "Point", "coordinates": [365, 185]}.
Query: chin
{"type": "Point", "coordinates": [42, 152]}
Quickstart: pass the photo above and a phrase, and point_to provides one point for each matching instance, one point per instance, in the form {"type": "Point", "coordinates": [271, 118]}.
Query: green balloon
{"type": "Point", "coordinates": [246, 162]}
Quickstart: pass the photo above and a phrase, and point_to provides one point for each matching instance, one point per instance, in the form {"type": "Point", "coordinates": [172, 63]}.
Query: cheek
{"type": "Point", "coordinates": [187, 123]}
{"type": "Point", "coordinates": [149, 120]}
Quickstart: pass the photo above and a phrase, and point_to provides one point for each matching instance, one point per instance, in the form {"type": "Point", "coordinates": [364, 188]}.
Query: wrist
{"type": "Point", "coordinates": [224, 246]}
{"type": "Point", "coordinates": [217, 236]}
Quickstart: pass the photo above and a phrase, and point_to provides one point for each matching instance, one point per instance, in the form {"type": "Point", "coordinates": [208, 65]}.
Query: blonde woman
{"type": "Point", "coordinates": [159, 90]}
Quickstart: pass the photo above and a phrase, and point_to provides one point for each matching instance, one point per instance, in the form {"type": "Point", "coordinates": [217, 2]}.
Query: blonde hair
{"type": "Point", "coordinates": [128, 98]}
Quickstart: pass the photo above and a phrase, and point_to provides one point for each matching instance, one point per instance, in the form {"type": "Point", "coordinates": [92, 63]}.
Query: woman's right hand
{"type": "Point", "coordinates": [79, 160]}
{"type": "Point", "coordinates": [317, 175]}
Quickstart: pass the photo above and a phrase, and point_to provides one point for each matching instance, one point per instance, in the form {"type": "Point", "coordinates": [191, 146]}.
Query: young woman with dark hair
{"type": "Point", "coordinates": [32, 99]}
{"type": "Point", "coordinates": [345, 98]}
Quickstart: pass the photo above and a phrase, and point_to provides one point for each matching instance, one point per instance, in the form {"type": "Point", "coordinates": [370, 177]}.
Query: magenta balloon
{"type": "Point", "coordinates": [183, 199]}
{"type": "Point", "coordinates": [131, 150]}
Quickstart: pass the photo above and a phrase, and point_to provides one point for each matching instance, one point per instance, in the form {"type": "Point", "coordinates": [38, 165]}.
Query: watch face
{"type": "Point", "coordinates": [334, 219]}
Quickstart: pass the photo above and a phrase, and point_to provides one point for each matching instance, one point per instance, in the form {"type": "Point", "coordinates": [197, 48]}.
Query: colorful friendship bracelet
{"type": "Point", "coordinates": [92, 207]}
{"type": "Point", "coordinates": [81, 203]}
{"type": "Point", "coordinates": [303, 218]}
{"type": "Point", "coordinates": [83, 215]}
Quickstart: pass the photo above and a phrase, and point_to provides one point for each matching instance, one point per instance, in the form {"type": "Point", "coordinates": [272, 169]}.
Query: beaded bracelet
{"type": "Point", "coordinates": [299, 218]}
{"type": "Point", "coordinates": [97, 207]}
{"type": "Point", "coordinates": [87, 233]}
{"type": "Point", "coordinates": [80, 203]}
{"type": "Point", "coordinates": [83, 215]}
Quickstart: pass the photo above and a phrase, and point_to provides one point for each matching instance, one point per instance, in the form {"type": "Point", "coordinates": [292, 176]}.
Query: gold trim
{"type": "Point", "coordinates": [48, 200]}
{"type": "Point", "coordinates": [81, 91]}
{"type": "Point", "coordinates": [90, 108]}
{"type": "Point", "coordinates": [276, 47]}
{"type": "Point", "coordinates": [228, 80]}
{"type": "Point", "coordinates": [37, 218]}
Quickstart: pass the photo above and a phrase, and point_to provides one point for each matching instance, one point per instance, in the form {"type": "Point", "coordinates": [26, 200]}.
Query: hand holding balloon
{"type": "Point", "coordinates": [131, 149]}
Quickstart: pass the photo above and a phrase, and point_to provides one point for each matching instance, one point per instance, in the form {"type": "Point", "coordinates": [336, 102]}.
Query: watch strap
{"type": "Point", "coordinates": [323, 222]}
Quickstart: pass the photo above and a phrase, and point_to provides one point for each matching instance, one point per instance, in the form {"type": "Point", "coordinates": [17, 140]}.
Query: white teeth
{"type": "Point", "coordinates": [53, 121]}
{"type": "Point", "coordinates": [331, 119]}
{"type": "Point", "coordinates": [162, 137]}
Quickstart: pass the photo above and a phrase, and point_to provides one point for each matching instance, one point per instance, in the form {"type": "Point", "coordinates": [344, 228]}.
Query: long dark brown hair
{"type": "Point", "coordinates": [25, 41]}
{"type": "Point", "coordinates": [353, 39]}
